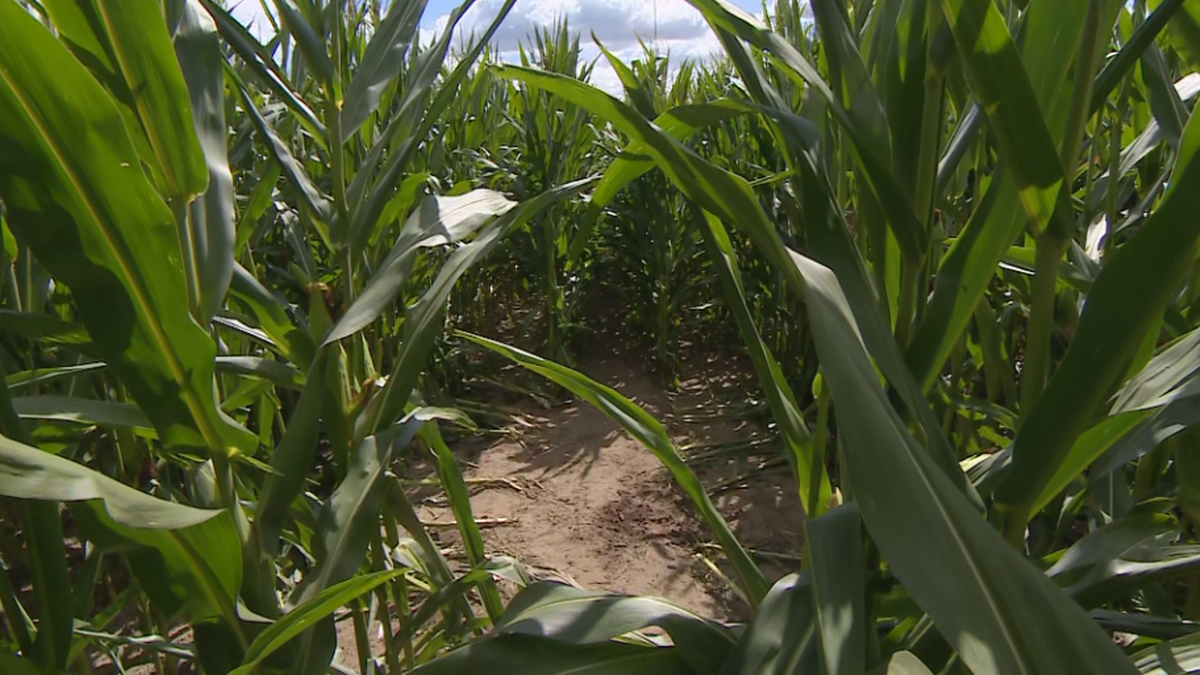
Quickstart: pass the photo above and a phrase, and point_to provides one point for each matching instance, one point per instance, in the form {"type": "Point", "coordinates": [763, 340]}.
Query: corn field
{"type": "Point", "coordinates": [245, 283]}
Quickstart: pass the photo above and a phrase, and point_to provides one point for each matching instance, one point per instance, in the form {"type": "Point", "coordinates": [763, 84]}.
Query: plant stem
{"type": "Point", "coordinates": [1041, 322]}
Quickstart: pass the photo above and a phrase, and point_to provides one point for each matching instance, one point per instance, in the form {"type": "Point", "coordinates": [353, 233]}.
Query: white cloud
{"type": "Point", "coordinates": [673, 26]}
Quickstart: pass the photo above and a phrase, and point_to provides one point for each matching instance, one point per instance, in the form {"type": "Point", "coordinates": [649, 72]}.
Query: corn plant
{"type": "Point", "coordinates": [204, 317]}
{"type": "Point", "coordinates": [988, 215]}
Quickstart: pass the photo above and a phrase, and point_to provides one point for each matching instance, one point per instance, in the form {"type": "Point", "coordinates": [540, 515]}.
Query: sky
{"type": "Point", "coordinates": [618, 24]}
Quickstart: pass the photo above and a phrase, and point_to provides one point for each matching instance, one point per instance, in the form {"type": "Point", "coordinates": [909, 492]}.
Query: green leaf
{"type": "Point", "coordinates": [129, 51]}
{"type": "Point", "coordinates": [731, 198]}
{"type": "Point", "coordinates": [438, 221]}
{"type": "Point", "coordinates": [81, 411]}
{"type": "Point", "coordinates": [784, 409]}
{"type": "Point", "coordinates": [576, 616]}
{"type": "Point", "coordinates": [312, 196]}
{"type": "Point", "coordinates": [650, 433]}
{"type": "Point", "coordinates": [269, 370]}
{"type": "Point", "coordinates": [905, 663]}
{"type": "Point", "coordinates": [380, 63]}
{"type": "Point", "coordinates": [75, 193]}
{"type": "Point", "coordinates": [999, 79]}
{"type": "Point", "coordinates": [835, 552]}
{"type": "Point", "coordinates": [260, 62]}
{"type": "Point", "coordinates": [46, 327]}
{"type": "Point", "coordinates": [860, 128]}
{"type": "Point", "coordinates": [342, 531]}
{"type": "Point", "coordinates": [301, 618]}
{"type": "Point", "coordinates": [271, 312]}
{"type": "Point", "coordinates": [1130, 294]}
{"type": "Point", "coordinates": [424, 322]}
{"type": "Point", "coordinates": [1181, 655]}
{"type": "Point", "coordinates": [311, 45]}
{"type": "Point", "coordinates": [782, 638]}
{"type": "Point", "coordinates": [193, 571]}
{"type": "Point", "coordinates": [208, 239]}
{"type": "Point", "coordinates": [1001, 614]}
{"type": "Point", "coordinates": [532, 655]}
{"type": "Point", "coordinates": [450, 476]}
{"type": "Point", "coordinates": [681, 122]}
{"type": "Point", "coordinates": [29, 473]}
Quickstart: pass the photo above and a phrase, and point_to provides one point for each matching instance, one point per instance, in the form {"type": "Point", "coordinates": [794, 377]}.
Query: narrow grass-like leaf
{"type": "Point", "coordinates": [342, 531]}
{"type": "Point", "coordinates": [784, 409]}
{"type": "Point", "coordinates": [263, 65]}
{"type": "Point", "coordinates": [1000, 81]}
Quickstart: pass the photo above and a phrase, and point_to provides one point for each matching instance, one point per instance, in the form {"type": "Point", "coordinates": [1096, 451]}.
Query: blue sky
{"type": "Point", "coordinates": [618, 23]}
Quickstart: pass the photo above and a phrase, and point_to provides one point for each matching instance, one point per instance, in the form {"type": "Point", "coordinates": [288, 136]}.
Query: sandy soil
{"type": "Point", "coordinates": [574, 497]}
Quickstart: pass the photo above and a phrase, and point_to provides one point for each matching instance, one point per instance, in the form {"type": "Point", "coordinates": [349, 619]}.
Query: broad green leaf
{"type": "Point", "coordinates": [999, 612]}
{"type": "Point", "coordinates": [576, 616]}
{"type": "Point", "coordinates": [782, 638]}
{"type": "Point", "coordinates": [194, 571]}
{"type": "Point", "coordinates": [380, 63]}
{"type": "Point", "coordinates": [1130, 294]}
{"type": "Point", "coordinates": [127, 46]}
{"type": "Point", "coordinates": [301, 618]}
{"type": "Point", "coordinates": [87, 411]}
{"type": "Point", "coordinates": [437, 222]}
{"type": "Point", "coordinates": [531, 655]}
{"type": "Point", "coordinates": [75, 193]}
{"type": "Point", "coordinates": [209, 235]}
{"type": "Point", "coordinates": [29, 473]}
{"type": "Point", "coordinates": [835, 552]}
{"type": "Point", "coordinates": [650, 433]}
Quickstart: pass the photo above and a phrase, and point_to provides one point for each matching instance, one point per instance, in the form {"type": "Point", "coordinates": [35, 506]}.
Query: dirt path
{"type": "Point", "coordinates": [581, 499]}
{"type": "Point", "coordinates": [573, 497]}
